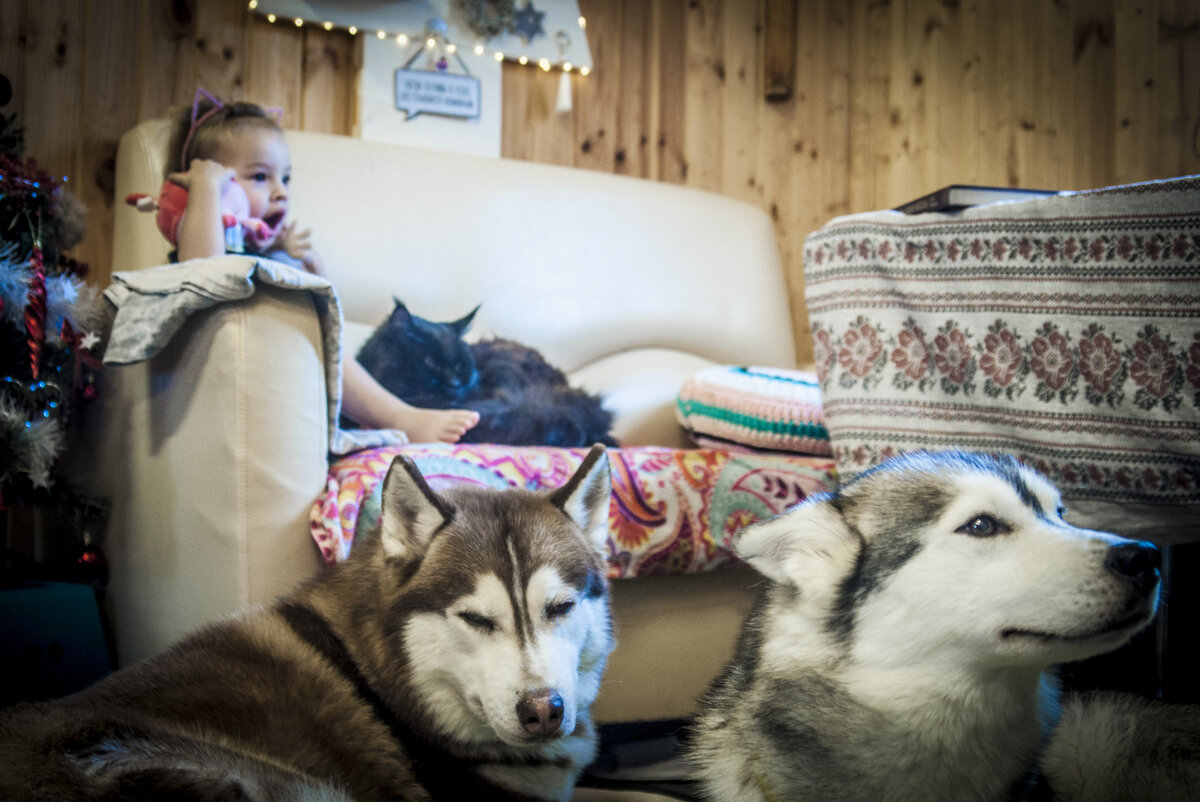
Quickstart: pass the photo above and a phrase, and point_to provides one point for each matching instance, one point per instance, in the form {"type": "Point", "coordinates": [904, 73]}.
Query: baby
{"type": "Point", "coordinates": [218, 141]}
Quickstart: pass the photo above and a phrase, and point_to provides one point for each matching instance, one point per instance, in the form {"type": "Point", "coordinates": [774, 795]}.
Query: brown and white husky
{"type": "Point", "coordinates": [454, 656]}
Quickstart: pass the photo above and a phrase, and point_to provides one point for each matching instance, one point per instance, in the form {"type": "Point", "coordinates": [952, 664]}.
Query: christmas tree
{"type": "Point", "coordinates": [49, 325]}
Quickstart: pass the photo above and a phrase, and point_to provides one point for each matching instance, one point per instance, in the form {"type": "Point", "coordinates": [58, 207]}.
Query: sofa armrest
{"type": "Point", "coordinates": [212, 452]}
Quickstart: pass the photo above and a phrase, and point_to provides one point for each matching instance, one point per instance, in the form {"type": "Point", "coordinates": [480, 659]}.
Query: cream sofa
{"type": "Point", "coordinates": [214, 450]}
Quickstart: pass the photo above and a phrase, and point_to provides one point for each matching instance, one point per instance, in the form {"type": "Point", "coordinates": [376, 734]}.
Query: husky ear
{"type": "Point", "coordinates": [410, 512]}
{"type": "Point", "coordinates": [807, 546]}
{"type": "Point", "coordinates": [585, 497]}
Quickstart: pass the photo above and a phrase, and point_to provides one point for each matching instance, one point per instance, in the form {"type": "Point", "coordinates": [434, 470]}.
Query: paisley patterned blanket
{"type": "Point", "coordinates": [673, 511]}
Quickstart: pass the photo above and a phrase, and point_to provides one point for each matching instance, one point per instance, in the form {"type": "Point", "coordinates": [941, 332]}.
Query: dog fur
{"type": "Point", "coordinates": [453, 656]}
{"type": "Point", "coordinates": [900, 647]}
{"type": "Point", "coordinates": [1116, 747]}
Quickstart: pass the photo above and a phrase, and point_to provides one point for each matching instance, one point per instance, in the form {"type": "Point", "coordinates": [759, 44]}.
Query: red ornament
{"type": "Point", "coordinates": [90, 565]}
{"type": "Point", "coordinates": [35, 311]}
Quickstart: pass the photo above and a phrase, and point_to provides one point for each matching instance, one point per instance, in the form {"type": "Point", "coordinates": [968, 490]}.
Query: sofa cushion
{"type": "Point", "coordinates": [754, 409]}
{"type": "Point", "coordinates": [1062, 330]}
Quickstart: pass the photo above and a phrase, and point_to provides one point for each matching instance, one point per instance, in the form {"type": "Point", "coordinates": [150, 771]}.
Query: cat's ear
{"type": "Point", "coordinates": [400, 314]}
{"type": "Point", "coordinates": [463, 323]}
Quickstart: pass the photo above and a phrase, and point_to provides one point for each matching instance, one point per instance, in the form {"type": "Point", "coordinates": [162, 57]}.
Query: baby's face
{"type": "Point", "coordinates": [263, 168]}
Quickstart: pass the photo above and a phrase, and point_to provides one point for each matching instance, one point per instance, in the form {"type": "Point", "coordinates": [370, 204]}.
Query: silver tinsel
{"type": "Point", "coordinates": [35, 445]}
{"type": "Point", "coordinates": [14, 283]}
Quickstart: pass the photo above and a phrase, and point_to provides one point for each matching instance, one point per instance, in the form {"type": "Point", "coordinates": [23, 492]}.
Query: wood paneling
{"type": "Point", "coordinates": [85, 72]}
{"type": "Point", "coordinates": [331, 64]}
{"type": "Point", "coordinates": [779, 47]}
{"type": "Point", "coordinates": [106, 114]}
{"type": "Point", "coordinates": [891, 98]}
{"type": "Point", "coordinates": [165, 56]}
{"type": "Point", "coordinates": [275, 67]}
{"type": "Point", "coordinates": [51, 35]}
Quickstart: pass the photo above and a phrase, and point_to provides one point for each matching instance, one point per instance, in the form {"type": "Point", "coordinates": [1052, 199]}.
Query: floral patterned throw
{"type": "Point", "coordinates": [673, 511]}
{"type": "Point", "coordinates": [1064, 330]}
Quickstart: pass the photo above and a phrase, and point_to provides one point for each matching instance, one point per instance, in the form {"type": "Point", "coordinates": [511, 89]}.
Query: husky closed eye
{"type": "Point", "coordinates": [478, 621]}
{"type": "Point", "coordinates": [984, 526]}
{"type": "Point", "coordinates": [559, 609]}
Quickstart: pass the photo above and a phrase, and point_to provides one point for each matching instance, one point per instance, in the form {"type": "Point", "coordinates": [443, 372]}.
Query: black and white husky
{"type": "Point", "coordinates": [898, 651]}
{"type": "Point", "coordinates": [454, 655]}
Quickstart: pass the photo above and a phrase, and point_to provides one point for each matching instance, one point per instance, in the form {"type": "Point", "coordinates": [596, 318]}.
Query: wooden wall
{"type": "Point", "coordinates": [891, 98]}
{"type": "Point", "coordinates": [85, 71]}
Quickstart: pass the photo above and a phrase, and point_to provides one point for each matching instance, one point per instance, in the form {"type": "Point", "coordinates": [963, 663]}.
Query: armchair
{"type": "Point", "coordinates": [214, 450]}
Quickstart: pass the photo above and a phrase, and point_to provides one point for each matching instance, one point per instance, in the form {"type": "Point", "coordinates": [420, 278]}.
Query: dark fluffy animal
{"type": "Point", "coordinates": [521, 398]}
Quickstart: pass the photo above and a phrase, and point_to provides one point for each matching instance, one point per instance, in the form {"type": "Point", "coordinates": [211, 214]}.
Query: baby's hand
{"type": "Point", "coordinates": [203, 172]}
{"type": "Point", "coordinates": [298, 245]}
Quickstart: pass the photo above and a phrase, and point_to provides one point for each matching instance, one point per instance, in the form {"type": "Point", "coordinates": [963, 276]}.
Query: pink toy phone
{"type": "Point", "coordinates": [240, 228]}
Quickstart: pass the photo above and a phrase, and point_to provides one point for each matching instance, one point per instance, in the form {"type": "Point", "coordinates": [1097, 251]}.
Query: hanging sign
{"type": "Point", "coordinates": [429, 92]}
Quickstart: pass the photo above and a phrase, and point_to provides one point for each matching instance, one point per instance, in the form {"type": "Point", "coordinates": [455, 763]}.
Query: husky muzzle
{"type": "Point", "coordinates": [540, 712]}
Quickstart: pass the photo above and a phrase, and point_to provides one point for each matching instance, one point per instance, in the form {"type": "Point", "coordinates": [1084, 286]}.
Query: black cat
{"type": "Point", "coordinates": [521, 398]}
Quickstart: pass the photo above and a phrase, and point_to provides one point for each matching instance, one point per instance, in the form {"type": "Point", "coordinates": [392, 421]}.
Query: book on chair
{"type": "Point", "coordinates": [960, 196]}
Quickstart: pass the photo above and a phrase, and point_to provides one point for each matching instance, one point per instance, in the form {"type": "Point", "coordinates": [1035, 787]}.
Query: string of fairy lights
{"type": "Point", "coordinates": [431, 41]}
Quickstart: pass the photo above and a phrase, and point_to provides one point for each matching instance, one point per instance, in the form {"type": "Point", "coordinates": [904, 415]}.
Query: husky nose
{"type": "Point", "coordinates": [541, 711]}
{"type": "Point", "coordinates": [1137, 561]}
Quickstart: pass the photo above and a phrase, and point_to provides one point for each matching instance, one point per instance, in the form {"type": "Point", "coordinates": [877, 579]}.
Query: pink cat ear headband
{"type": "Point", "coordinates": [275, 112]}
